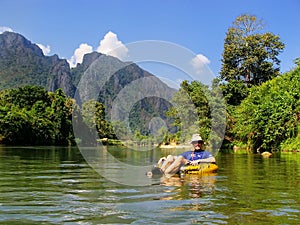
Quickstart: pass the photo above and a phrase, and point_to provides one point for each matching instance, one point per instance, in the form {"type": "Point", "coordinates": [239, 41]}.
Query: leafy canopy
{"type": "Point", "coordinates": [32, 115]}
{"type": "Point", "coordinates": [250, 56]}
{"type": "Point", "coordinates": [271, 113]}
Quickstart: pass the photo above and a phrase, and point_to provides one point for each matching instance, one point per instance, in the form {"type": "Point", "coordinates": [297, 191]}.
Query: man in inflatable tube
{"type": "Point", "coordinates": [170, 165]}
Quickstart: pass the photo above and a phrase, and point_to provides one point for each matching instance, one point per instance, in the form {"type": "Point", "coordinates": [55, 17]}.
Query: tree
{"type": "Point", "coordinates": [270, 114]}
{"type": "Point", "coordinates": [189, 111]}
{"type": "Point", "coordinates": [27, 96]}
{"type": "Point", "coordinates": [93, 113]}
{"type": "Point", "coordinates": [250, 56]}
{"type": "Point", "coordinates": [61, 116]}
{"type": "Point", "coordinates": [32, 115]}
{"type": "Point", "coordinates": [198, 109]}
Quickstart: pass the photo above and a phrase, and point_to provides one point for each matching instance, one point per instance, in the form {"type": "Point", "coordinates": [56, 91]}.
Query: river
{"type": "Point", "coordinates": [52, 185]}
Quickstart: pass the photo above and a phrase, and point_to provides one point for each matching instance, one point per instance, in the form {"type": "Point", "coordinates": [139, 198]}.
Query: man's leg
{"type": "Point", "coordinates": [161, 166]}
{"type": "Point", "coordinates": [167, 162]}
{"type": "Point", "coordinates": [175, 166]}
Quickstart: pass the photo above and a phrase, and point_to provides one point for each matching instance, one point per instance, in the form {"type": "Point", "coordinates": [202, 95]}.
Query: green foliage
{"type": "Point", "coordinates": [198, 109]}
{"type": "Point", "coordinates": [270, 114]}
{"type": "Point", "coordinates": [61, 117]}
{"type": "Point", "coordinates": [190, 104]}
{"type": "Point", "coordinates": [27, 96]}
{"type": "Point", "coordinates": [120, 130]}
{"type": "Point", "coordinates": [250, 57]}
{"type": "Point", "coordinates": [291, 144]}
{"type": "Point", "coordinates": [234, 91]}
{"type": "Point", "coordinates": [30, 115]}
{"type": "Point", "coordinates": [93, 114]}
{"type": "Point", "coordinates": [248, 54]}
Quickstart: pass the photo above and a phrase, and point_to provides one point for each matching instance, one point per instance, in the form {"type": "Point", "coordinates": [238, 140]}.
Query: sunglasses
{"type": "Point", "coordinates": [197, 142]}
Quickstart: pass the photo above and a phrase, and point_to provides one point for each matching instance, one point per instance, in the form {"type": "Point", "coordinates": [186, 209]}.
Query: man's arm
{"type": "Point", "coordinates": [207, 160]}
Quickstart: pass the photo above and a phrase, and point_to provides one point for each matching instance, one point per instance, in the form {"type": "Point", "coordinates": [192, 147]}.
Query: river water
{"type": "Point", "coordinates": [51, 185]}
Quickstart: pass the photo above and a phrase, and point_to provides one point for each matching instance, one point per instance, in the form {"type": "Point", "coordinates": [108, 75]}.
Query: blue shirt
{"type": "Point", "coordinates": [197, 155]}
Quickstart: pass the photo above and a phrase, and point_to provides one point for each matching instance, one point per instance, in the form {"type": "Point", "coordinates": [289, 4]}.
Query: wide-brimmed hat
{"type": "Point", "coordinates": [196, 137]}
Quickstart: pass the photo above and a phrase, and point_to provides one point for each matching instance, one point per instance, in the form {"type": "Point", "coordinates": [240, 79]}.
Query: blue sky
{"type": "Point", "coordinates": [200, 26]}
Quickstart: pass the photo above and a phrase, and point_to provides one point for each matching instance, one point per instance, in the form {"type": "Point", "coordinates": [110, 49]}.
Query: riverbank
{"type": "Point", "coordinates": [174, 146]}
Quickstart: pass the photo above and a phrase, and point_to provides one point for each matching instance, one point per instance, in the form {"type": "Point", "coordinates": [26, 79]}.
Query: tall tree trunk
{"type": "Point", "coordinates": [248, 77]}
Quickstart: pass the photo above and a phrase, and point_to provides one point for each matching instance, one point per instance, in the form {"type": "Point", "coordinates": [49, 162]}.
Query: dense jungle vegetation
{"type": "Point", "coordinates": [32, 115]}
{"type": "Point", "coordinates": [268, 118]}
{"type": "Point", "coordinates": [262, 105]}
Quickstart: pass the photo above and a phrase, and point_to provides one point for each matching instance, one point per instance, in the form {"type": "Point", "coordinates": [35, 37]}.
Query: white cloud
{"type": "Point", "coordinates": [46, 49]}
{"type": "Point", "coordinates": [110, 45]}
{"type": "Point", "coordinates": [199, 63]}
{"type": "Point", "coordinates": [79, 53]}
{"type": "Point", "coordinates": [3, 29]}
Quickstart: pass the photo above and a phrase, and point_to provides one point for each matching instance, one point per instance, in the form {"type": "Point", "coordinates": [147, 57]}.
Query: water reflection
{"type": "Point", "coordinates": [50, 185]}
{"type": "Point", "coordinates": [190, 185]}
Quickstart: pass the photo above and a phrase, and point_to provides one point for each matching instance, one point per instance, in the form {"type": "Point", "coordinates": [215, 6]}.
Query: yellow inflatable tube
{"type": "Point", "coordinates": [201, 168]}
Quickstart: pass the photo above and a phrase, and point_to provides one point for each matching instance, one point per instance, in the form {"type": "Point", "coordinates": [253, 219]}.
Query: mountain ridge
{"type": "Point", "coordinates": [23, 63]}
